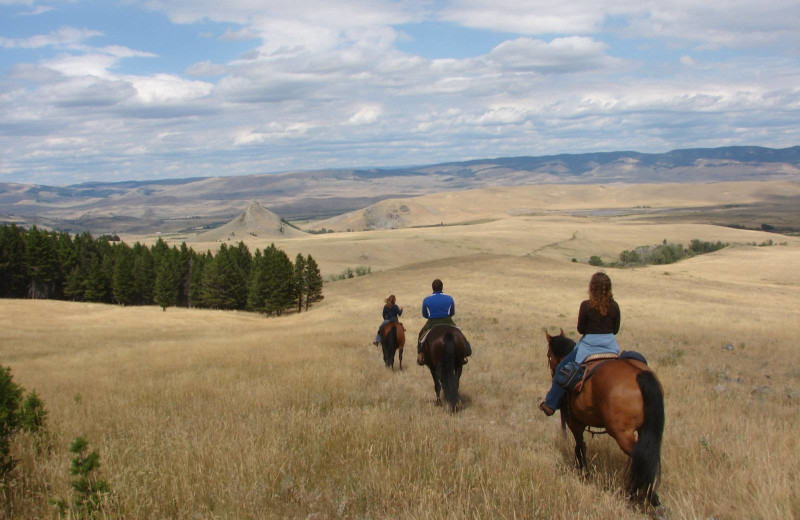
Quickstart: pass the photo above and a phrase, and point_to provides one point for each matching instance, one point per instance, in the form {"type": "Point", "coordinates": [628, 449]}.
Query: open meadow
{"type": "Point", "coordinates": [223, 414]}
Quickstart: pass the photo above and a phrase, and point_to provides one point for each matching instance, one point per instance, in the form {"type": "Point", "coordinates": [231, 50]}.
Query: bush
{"type": "Point", "coordinates": [630, 257]}
{"type": "Point", "coordinates": [596, 261]}
{"type": "Point", "coordinates": [89, 490]}
{"type": "Point", "coordinates": [10, 397]}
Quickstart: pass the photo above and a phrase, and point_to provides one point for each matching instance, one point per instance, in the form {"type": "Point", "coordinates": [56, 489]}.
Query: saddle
{"type": "Point", "coordinates": [573, 376]}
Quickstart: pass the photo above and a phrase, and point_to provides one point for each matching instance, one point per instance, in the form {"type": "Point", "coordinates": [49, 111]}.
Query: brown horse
{"type": "Point", "coordinates": [393, 338]}
{"type": "Point", "coordinates": [624, 397]}
{"type": "Point", "coordinates": [443, 352]}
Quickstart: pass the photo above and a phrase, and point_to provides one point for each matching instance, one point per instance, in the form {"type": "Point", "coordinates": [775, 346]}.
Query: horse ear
{"type": "Point", "coordinates": [549, 337]}
{"type": "Point", "coordinates": [562, 332]}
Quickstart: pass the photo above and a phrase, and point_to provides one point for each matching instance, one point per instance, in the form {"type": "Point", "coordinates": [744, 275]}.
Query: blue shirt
{"type": "Point", "coordinates": [438, 305]}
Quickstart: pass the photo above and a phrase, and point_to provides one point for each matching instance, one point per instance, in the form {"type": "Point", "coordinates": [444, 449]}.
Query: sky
{"type": "Point", "coordinates": [117, 90]}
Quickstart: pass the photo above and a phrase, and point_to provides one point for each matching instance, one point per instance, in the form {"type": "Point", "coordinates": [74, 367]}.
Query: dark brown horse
{"type": "Point", "coordinates": [624, 397]}
{"type": "Point", "coordinates": [393, 338]}
{"type": "Point", "coordinates": [443, 353]}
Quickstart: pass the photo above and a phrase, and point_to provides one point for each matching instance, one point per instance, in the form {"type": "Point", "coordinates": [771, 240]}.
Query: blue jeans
{"type": "Point", "coordinates": [556, 393]}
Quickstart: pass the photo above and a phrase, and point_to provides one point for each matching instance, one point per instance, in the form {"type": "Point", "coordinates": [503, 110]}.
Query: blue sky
{"type": "Point", "coordinates": [148, 89]}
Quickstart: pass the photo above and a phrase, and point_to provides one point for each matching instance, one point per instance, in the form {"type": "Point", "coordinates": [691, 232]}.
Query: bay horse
{"type": "Point", "coordinates": [393, 338]}
{"type": "Point", "coordinates": [442, 352]}
{"type": "Point", "coordinates": [625, 397]}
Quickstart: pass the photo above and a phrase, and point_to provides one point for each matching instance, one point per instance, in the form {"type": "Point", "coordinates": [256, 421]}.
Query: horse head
{"type": "Point", "coordinates": [557, 347]}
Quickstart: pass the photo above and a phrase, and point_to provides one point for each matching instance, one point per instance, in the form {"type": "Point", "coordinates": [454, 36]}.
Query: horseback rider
{"type": "Point", "coordinates": [598, 321]}
{"type": "Point", "coordinates": [439, 309]}
{"type": "Point", "coordinates": [391, 312]}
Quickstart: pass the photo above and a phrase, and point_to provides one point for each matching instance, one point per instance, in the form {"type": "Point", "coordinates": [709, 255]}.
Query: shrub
{"type": "Point", "coordinates": [10, 396]}
{"type": "Point", "coordinates": [595, 260]}
{"type": "Point", "coordinates": [630, 257]}
{"type": "Point", "coordinates": [89, 490]}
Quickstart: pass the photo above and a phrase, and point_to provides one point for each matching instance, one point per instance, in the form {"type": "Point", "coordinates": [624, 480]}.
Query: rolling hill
{"type": "Point", "coordinates": [185, 204]}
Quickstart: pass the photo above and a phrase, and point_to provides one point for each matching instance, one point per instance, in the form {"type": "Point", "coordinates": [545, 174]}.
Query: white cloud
{"type": "Point", "coordinates": [65, 36]}
{"type": "Point", "coordinates": [325, 81]}
{"type": "Point", "coordinates": [570, 54]}
{"type": "Point", "coordinates": [366, 115]}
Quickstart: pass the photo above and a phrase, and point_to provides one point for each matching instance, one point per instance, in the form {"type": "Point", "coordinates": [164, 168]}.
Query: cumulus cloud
{"type": "Point", "coordinates": [322, 82]}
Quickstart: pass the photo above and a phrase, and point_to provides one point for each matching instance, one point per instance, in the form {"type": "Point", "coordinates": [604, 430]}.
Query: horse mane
{"type": "Point", "coordinates": [561, 345]}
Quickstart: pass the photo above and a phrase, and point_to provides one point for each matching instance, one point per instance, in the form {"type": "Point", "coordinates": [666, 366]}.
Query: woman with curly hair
{"type": "Point", "coordinates": [598, 321]}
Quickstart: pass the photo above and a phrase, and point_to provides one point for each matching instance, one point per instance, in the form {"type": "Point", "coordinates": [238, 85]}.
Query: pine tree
{"type": "Point", "coordinates": [13, 273]}
{"type": "Point", "coordinates": [313, 280]}
{"type": "Point", "coordinates": [199, 263]}
{"type": "Point", "coordinates": [95, 286]}
{"type": "Point", "coordinates": [256, 289]}
{"type": "Point", "coordinates": [166, 289]}
{"type": "Point", "coordinates": [221, 282]}
{"type": "Point", "coordinates": [41, 259]}
{"type": "Point", "coordinates": [144, 274]}
{"type": "Point", "coordinates": [281, 277]}
{"type": "Point", "coordinates": [184, 268]}
{"type": "Point", "coordinates": [124, 284]}
{"type": "Point", "coordinates": [299, 280]}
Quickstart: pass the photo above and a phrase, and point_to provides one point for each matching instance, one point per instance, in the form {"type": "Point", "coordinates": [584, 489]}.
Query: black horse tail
{"type": "Point", "coordinates": [389, 345]}
{"type": "Point", "coordinates": [447, 367]}
{"type": "Point", "coordinates": [645, 468]}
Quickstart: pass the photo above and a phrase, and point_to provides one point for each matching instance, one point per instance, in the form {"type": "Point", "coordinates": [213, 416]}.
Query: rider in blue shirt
{"type": "Point", "coordinates": [439, 309]}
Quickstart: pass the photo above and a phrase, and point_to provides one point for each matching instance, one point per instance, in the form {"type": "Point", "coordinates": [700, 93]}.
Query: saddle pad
{"type": "Point", "coordinates": [598, 357]}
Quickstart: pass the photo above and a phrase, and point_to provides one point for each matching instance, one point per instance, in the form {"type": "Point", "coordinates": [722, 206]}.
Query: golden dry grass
{"type": "Point", "coordinates": [210, 414]}
{"type": "Point", "coordinates": [504, 201]}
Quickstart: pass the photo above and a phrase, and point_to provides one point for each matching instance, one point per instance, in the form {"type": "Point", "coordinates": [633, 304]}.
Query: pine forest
{"type": "Point", "coordinates": [35, 263]}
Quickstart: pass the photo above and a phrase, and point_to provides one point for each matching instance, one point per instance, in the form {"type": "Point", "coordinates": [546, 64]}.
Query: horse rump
{"type": "Point", "coordinates": [389, 345]}
{"type": "Point", "coordinates": [645, 468]}
{"type": "Point", "coordinates": [447, 371]}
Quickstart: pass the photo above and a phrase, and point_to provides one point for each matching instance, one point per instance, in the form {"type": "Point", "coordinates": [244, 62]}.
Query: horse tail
{"type": "Point", "coordinates": [389, 345]}
{"type": "Point", "coordinates": [646, 453]}
{"type": "Point", "coordinates": [447, 367]}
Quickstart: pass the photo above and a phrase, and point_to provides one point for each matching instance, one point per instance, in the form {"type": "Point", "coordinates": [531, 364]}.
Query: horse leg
{"type": "Point", "coordinates": [580, 446]}
{"type": "Point", "coordinates": [401, 359]}
{"type": "Point", "coordinates": [436, 386]}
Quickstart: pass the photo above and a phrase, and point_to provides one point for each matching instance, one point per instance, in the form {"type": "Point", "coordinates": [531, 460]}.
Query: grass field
{"type": "Point", "coordinates": [211, 414]}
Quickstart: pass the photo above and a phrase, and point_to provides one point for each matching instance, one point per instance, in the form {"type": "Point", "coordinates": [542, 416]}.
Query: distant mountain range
{"type": "Point", "coordinates": [203, 203]}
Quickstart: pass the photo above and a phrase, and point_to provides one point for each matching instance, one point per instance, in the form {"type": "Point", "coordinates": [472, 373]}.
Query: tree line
{"type": "Point", "coordinates": [35, 263]}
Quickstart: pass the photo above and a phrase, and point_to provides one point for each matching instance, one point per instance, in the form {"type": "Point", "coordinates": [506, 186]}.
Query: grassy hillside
{"type": "Point", "coordinates": [501, 202]}
{"type": "Point", "coordinates": [231, 415]}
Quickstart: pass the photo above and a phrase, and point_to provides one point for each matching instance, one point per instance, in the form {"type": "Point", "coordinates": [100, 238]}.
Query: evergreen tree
{"type": "Point", "coordinates": [299, 280]}
{"type": "Point", "coordinates": [184, 269]}
{"type": "Point", "coordinates": [199, 263]}
{"type": "Point", "coordinates": [94, 285]}
{"type": "Point", "coordinates": [280, 286]}
{"type": "Point", "coordinates": [256, 290]}
{"type": "Point", "coordinates": [123, 282]}
{"type": "Point", "coordinates": [13, 273]}
{"type": "Point", "coordinates": [313, 280]}
{"type": "Point", "coordinates": [167, 288]}
{"type": "Point", "coordinates": [220, 282]}
{"type": "Point", "coordinates": [75, 282]}
{"type": "Point", "coordinates": [144, 274]}
{"type": "Point", "coordinates": [41, 259]}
